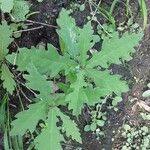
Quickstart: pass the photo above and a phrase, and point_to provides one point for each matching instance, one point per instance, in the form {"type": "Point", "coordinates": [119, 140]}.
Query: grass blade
{"type": "Point", "coordinates": [142, 4]}
{"type": "Point", "coordinates": [6, 141]}
{"type": "Point", "coordinates": [113, 6]}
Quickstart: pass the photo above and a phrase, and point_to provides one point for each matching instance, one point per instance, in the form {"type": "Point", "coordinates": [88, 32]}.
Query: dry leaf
{"type": "Point", "coordinates": [143, 105]}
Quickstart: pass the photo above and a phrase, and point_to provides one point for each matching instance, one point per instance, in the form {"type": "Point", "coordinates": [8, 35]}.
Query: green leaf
{"type": "Point", "coordinates": [100, 123]}
{"type": "Point", "coordinates": [107, 82]}
{"type": "Point", "coordinates": [146, 93]}
{"type": "Point", "coordinates": [87, 128]}
{"type": "Point", "coordinates": [41, 58]}
{"type": "Point", "coordinates": [116, 100]}
{"type": "Point", "coordinates": [145, 129]}
{"type": "Point", "coordinates": [148, 85]}
{"type": "Point", "coordinates": [146, 144]}
{"type": "Point", "coordinates": [67, 33]}
{"type": "Point", "coordinates": [74, 40]}
{"type": "Point", "coordinates": [86, 41]}
{"type": "Point", "coordinates": [50, 137]}
{"type": "Point", "coordinates": [59, 99]}
{"type": "Point", "coordinates": [21, 60]}
{"type": "Point", "coordinates": [114, 49]}
{"type": "Point", "coordinates": [20, 10]}
{"type": "Point", "coordinates": [27, 56]}
{"type": "Point", "coordinates": [8, 82]}
{"type": "Point", "coordinates": [28, 119]}
{"type": "Point", "coordinates": [59, 63]}
{"type": "Point", "coordinates": [145, 116]}
{"type": "Point", "coordinates": [70, 127]}
{"type": "Point", "coordinates": [82, 7]}
{"type": "Point", "coordinates": [5, 39]}
{"type": "Point", "coordinates": [82, 94]}
{"type": "Point", "coordinates": [94, 94]}
{"type": "Point", "coordinates": [93, 126]}
{"type": "Point", "coordinates": [78, 97]}
{"type": "Point", "coordinates": [6, 5]}
{"type": "Point", "coordinates": [126, 127]}
{"type": "Point", "coordinates": [64, 87]}
{"type": "Point", "coordinates": [38, 82]}
{"type": "Point", "coordinates": [3, 115]}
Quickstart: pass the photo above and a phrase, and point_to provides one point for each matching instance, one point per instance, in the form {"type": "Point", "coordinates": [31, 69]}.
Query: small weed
{"type": "Point", "coordinates": [98, 121]}
{"type": "Point", "coordinates": [144, 11]}
{"type": "Point", "coordinates": [136, 138]}
{"type": "Point", "coordinates": [147, 92]}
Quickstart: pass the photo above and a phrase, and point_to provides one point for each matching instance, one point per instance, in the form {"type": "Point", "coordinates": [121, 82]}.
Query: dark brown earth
{"type": "Point", "coordinates": [136, 71]}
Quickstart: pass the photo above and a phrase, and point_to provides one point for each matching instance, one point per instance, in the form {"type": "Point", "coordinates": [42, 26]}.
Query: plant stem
{"type": "Point", "coordinates": [44, 24]}
{"type": "Point", "coordinates": [26, 30]}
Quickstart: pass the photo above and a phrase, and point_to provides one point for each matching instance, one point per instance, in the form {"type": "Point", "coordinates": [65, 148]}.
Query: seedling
{"type": "Point", "coordinates": [87, 78]}
{"type": "Point", "coordinates": [136, 138]}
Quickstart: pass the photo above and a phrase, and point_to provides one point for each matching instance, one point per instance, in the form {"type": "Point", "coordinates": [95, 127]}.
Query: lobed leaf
{"type": "Point", "coordinates": [38, 82]}
{"type": "Point", "coordinates": [67, 33]}
{"type": "Point", "coordinates": [107, 82]}
{"type": "Point", "coordinates": [28, 119]}
{"type": "Point", "coordinates": [77, 97]}
{"type": "Point", "coordinates": [94, 94]}
{"type": "Point", "coordinates": [20, 10]}
{"type": "Point", "coordinates": [8, 79]}
{"type": "Point", "coordinates": [114, 49]}
{"type": "Point", "coordinates": [6, 5]}
{"type": "Point", "coordinates": [50, 137]}
{"type": "Point", "coordinates": [40, 58]}
{"type": "Point", "coordinates": [74, 40]}
{"type": "Point", "coordinates": [70, 127]}
{"type": "Point", "coordinates": [86, 41]}
{"type": "Point", "coordinates": [5, 39]}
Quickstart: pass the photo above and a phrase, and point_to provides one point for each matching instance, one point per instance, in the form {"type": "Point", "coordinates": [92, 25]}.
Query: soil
{"type": "Point", "coordinates": [136, 71]}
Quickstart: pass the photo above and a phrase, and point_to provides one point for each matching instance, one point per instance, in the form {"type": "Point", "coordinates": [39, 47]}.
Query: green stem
{"type": "Point", "coordinates": [113, 6]}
